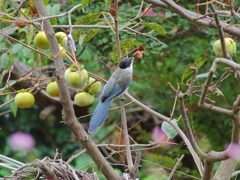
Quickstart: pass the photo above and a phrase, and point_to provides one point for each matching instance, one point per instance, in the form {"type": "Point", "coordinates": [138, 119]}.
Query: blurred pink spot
{"type": "Point", "coordinates": [150, 12]}
{"type": "Point", "coordinates": [158, 135]}
{"type": "Point", "coordinates": [162, 14]}
{"type": "Point", "coordinates": [21, 140]}
{"type": "Point", "coordinates": [233, 151]}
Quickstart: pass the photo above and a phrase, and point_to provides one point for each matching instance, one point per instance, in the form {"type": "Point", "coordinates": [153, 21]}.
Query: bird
{"type": "Point", "coordinates": [116, 85]}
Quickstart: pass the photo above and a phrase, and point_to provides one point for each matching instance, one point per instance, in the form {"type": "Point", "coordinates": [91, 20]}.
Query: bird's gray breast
{"type": "Point", "coordinates": [122, 78]}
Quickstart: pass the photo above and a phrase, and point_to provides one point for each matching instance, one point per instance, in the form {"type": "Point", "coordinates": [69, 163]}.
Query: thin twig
{"type": "Point", "coordinates": [125, 132]}
{"type": "Point", "coordinates": [175, 167]}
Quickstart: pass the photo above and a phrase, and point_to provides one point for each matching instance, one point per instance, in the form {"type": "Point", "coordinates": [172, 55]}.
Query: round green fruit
{"type": "Point", "coordinates": [62, 50]}
{"type": "Point", "coordinates": [24, 100]}
{"type": "Point", "coordinates": [76, 78]}
{"type": "Point", "coordinates": [230, 46]}
{"type": "Point", "coordinates": [63, 42]}
{"type": "Point", "coordinates": [96, 87]}
{"type": "Point", "coordinates": [83, 99]}
{"type": "Point", "coordinates": [52, 89]}
{"type": "Point", "coordinates": [61, 38]}
{"type": "Point", "coordinates": [41, 40]}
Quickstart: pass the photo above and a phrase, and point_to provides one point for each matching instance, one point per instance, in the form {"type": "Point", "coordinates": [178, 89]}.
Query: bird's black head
{"type": "Point", "coordinates": [126, 62]}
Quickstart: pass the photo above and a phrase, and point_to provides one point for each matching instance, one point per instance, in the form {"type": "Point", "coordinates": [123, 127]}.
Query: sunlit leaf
{"type": "Point", "coordinates": [81, 38]}
{"type": "Point", "coordinates": [155, 27]}
{"type": "Point", "coordinates": [85, 2]}
{"type": "Point", "coordinates": [107, 2]}
{"type": "Point", "coordinates": [169, 130]}
{"type": "Point", "coordinates": [2, 4]}
{"type": "Point", "coordinates": [125, 46]}
{"type": "Point", "coordinates": [45, 2]}
{"type": "Point", "coordinates": [90, 34]}
{"type": "Point", "coordinates": [197, 63]}
{"type": "Point", "coordinates": [84, 20]}
{"type": "Point", "coordinates": [53, 21]}
{"type": "Point", "coordinates": [30, 35]}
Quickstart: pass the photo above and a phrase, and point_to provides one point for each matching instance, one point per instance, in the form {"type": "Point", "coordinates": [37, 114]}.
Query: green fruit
{"type": "Point", "coordinates": [63, 42]}
{"type": "Point", "coordinates": [62, 50]}
{"type": "Point", "coordinates": [52, 89]}
{"type": "Point", "coordinates": [95, 88]}
{"type": "Point", "coordinates": [41, 40]}
{"type": "Point", "coordinates": [24, 100]}
{"type": "Point", "coordinates": [230, 45]}
{"type": "Point", "coordinates": [76, 78]}
{"type": "Point", "coordinates": [83, 99]}
{"type": "Point", "coordinates": [61, 38]}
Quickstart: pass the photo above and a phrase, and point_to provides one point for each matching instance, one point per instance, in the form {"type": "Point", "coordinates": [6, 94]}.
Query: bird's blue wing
{"type": "Point", "coordinates": [99, 115]}
{"type": "Point", "coordinates": [111, 90]}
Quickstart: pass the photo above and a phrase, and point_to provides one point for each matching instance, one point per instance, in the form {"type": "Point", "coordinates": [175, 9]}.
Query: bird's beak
{"type": "Point", "coordinates": [132, 59]}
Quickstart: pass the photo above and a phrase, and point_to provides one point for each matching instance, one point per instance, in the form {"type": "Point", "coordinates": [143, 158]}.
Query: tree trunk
{"type": "Point", "coordinates": [225, 170]}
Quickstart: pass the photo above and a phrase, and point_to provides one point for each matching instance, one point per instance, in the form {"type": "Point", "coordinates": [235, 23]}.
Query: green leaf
{"type": "Point", "coordinates": [4, 72]}
{"type": "Point", "coordinates": [218, 92]}
{"type": "Point", "coordinates": [45, 2]}
{"type": "Point", "coordinates": [7, 98]}
{"type": "Point", "coordinates": [205, 75]}
{"type": "Point", "coordinates": [6, 60]}
{"type": "Point", "coordinates": [43, 61]}
{"type": "Point", "coordinates": [169, 130]}
{"type": "Point", "coordinates": [107, 2]}
{"type": "Point", "coordinates": [197, 63]}
{"type": "Point", "coordinates": [84, 20]}
{"type": "Point", "coordinates": [55, 9]}
{"type": "Point", "coordinates": [14, 108]}
{"type": "Point", "coordinates": [53, 21]}
{"type": "Point", "coordinates": [30, 34]}
{"type": "Point", "coordinates": [155, 27]}
{"type": "Point", "coordinates": [8, 31]}
{"type": "Point", "coordinates": [90, 34]}
{"type": "Point", "coordinates": [121, 26]}
{"type": "Point", "coordinates": [85, 2]}
{"type": "Point", "coordinates": [125, 46]}
{"type": "Point", "coordinates": [81, 39]}
{"type": "Point", "coordinates": [2, 4]}
{"type": "Point", "coordinates": [16, 48]}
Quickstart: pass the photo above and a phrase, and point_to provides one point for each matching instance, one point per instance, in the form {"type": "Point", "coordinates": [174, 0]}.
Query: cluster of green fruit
{"type": "Point", "coordinates": [78, 77]}
{"type": "Point", "coordinates": [85, 97]}
{"type": "Point", "coordinates": [74, 76]}
{"type": "Point", "coordinates": [41, 42]}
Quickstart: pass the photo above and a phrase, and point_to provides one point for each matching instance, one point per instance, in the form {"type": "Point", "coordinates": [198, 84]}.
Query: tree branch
{"type": "Point", "coordinates": [194, 18]}
{"type": "Point", "coordinates": [68, 112]}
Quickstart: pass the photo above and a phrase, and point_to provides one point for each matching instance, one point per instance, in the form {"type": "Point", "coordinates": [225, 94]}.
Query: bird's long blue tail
{"type": "Point", "coordinates": [99, 116]}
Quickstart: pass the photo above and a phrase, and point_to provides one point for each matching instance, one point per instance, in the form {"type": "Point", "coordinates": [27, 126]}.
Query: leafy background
{"type": "Point", "coordinates": [183, 44]}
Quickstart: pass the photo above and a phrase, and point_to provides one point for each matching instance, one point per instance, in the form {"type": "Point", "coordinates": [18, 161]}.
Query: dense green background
{"type": "Point", "coordinates": [160, 64]}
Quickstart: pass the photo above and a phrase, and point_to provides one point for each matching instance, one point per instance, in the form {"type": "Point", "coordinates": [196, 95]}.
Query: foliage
{"type": "Point", "coordinates": [184, 45]}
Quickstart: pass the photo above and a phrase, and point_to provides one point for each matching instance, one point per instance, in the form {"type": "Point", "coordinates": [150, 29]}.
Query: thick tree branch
{"type": "Point", "coordinates": [194, 18]}
{"type": "Point", "coordinates": [68, 112]}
